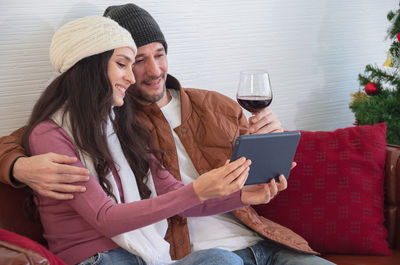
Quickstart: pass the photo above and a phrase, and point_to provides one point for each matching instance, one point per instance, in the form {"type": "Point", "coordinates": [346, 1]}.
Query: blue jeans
{"type": "Point", "coordinates": [270, 253]}
{"type": "Point", "coordinates": [119, 256]}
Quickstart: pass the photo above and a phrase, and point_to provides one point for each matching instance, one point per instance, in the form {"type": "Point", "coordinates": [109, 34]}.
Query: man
{"type": "Point", "coordinates": [196, 130]}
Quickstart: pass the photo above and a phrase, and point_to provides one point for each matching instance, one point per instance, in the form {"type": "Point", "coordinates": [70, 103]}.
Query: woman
{"type": "Point", "coordinates": [120, 219]}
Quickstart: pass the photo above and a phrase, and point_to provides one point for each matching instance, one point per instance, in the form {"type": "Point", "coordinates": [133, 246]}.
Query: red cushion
{"type": "Point", "coordinates": [27, 243]}
{"type": "Point", "coordinates": [335, 197]}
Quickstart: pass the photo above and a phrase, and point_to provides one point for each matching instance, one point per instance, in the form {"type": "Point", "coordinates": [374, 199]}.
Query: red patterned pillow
{"type": "Point", "coordinates": [335, 197]}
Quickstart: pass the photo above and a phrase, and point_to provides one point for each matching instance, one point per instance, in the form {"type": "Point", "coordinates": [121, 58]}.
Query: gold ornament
{"type": "Point", "coordinates": [388, 62]}
{"type": "Point", "coordinates": [359, 95]}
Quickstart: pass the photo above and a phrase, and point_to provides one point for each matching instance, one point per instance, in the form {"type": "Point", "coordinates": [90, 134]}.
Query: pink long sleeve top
{"type": "Point", "coordinates": [77, 229]}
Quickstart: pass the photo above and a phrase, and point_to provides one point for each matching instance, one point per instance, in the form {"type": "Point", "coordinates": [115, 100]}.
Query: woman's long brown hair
{"type": "Point", "coordinates": [85, 93]}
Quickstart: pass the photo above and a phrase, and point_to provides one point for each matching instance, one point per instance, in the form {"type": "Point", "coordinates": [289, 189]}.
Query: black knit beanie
{"type": "Point", "coordinates": [142, 26]}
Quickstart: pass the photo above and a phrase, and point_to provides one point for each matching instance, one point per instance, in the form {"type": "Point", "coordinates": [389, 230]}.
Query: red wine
{"type": "Point", "coordinates": [254, 103]}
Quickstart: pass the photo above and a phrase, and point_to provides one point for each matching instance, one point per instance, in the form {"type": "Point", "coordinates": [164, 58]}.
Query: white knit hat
{"type": "Point", "coordinates": [85, 37]}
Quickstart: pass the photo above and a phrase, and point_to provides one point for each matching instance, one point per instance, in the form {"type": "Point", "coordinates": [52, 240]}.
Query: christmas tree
{"type": "Point", "coordinates": [379, 100]}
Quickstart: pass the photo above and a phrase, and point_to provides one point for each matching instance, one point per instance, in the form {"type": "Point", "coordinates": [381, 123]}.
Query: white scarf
{"type": "Point", "coordinates": [147, 242]}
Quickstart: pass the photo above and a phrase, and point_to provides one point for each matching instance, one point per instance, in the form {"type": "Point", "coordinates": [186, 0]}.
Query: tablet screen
{"type": "Point", "coordinates": [271, 154]}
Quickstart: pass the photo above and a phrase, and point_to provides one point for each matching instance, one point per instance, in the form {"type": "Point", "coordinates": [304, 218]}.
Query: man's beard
{"type": "Point", "coordinates": [149, 99]}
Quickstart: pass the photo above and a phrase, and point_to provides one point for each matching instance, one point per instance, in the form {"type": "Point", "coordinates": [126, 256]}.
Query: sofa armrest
{"type": "Point", "coordinates": [392, 195]}
{"type": "Point", "coordinates": [12, 217]}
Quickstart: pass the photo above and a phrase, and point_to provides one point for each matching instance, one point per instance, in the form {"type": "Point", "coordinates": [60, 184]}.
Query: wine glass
{"type": "Point", "coordinates": [254, 92]}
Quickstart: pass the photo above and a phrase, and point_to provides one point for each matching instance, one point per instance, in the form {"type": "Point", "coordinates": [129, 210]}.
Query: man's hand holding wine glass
{"type": "Point", "coordinates": [255, 95]}
{"type": "Point", "coordinates": [264, 121]}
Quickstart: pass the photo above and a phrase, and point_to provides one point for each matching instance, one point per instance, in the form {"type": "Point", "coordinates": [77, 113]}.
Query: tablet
{"type": "Point", "coordinates": [271, 154]}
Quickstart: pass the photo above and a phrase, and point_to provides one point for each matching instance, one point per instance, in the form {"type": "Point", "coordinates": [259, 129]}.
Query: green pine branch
{"type": "Point", "coordinates": [396, 24]}
{"type": "Point", "coordinates": [384, 107]}
{"type": "Point", "coordinates": [395, 49]}
{"type": "Point", "coordinates": [379, 76]}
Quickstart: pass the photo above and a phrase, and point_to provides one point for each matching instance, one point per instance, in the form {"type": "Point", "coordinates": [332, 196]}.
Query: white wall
{"type": "Point", "coordinates": [313, 49]}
